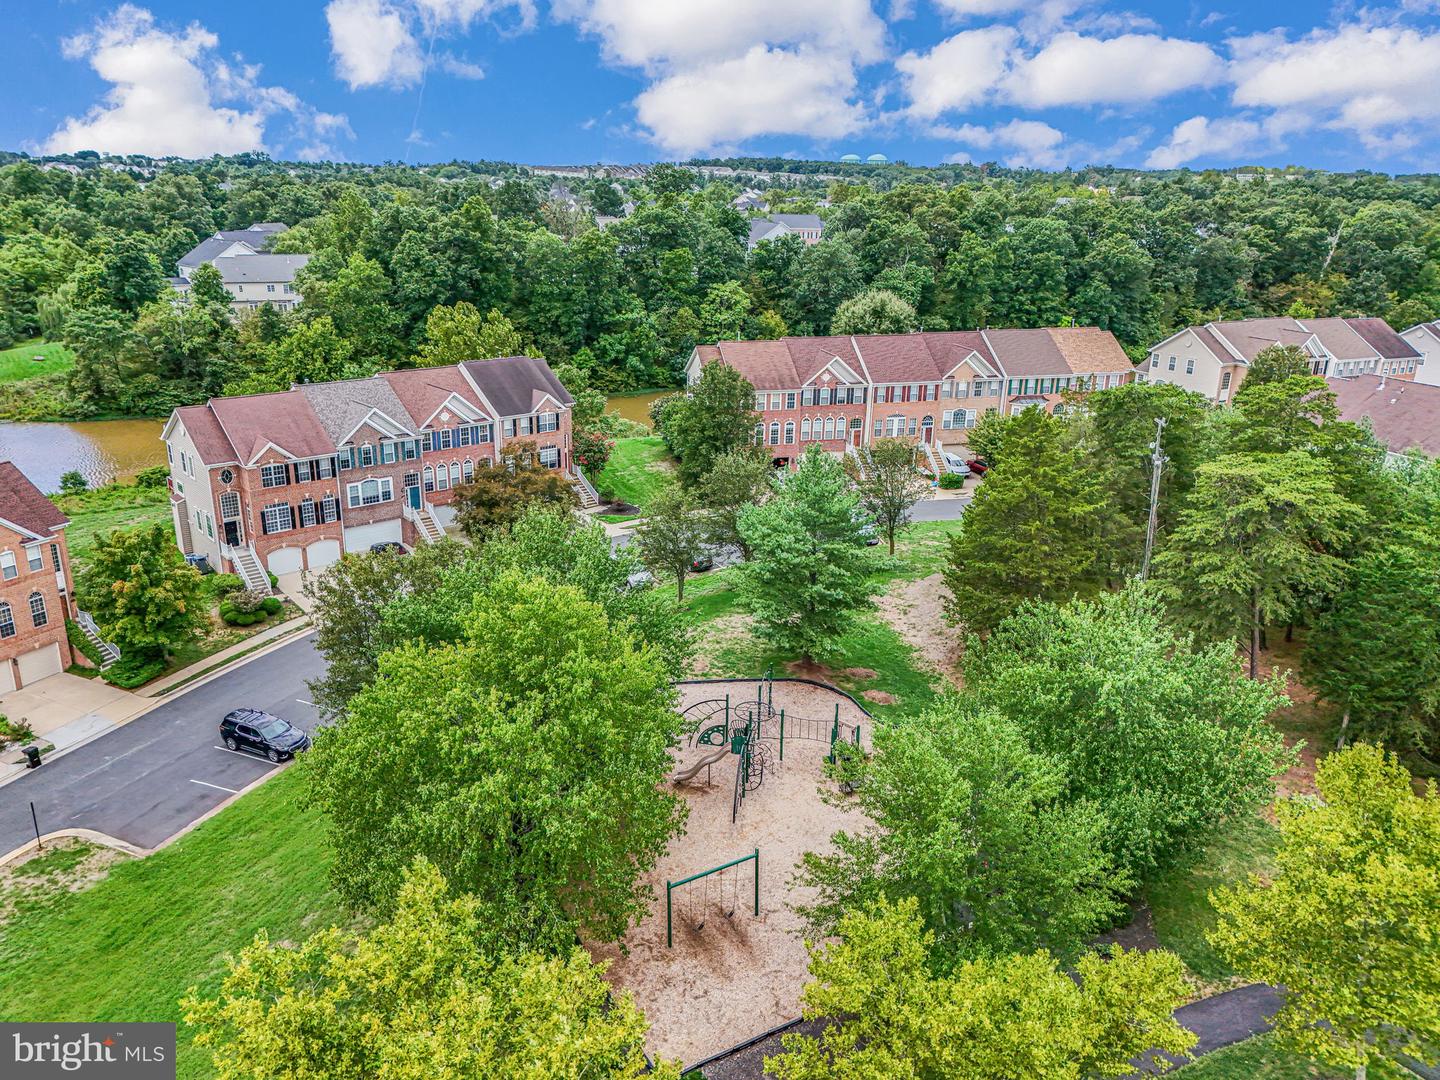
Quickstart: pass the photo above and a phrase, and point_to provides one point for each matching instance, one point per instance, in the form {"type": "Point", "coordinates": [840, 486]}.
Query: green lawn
{"type": "Point", "coordinates": [637, 469]}
{"type": "Point", "coordinates": [17, 364]}
{"type": "Point", "coordinates": [1260, 1059]}
{"type": "Point", "coordinates": [115, 506]}
{"type": "Point", "coordinates": [1180, 901]}
{"type": "Point", "coordinates": [129, 947]}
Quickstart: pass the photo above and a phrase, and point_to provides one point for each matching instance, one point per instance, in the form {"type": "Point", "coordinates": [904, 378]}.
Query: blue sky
{"type": "Point", "coordinates": [1046, 83]}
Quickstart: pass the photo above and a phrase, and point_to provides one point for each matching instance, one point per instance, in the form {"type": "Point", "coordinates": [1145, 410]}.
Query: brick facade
{"type": "Point", "coordinates": [35, 584]}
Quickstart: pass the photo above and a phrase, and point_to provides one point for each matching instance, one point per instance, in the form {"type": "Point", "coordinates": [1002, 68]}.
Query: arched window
{"type": "Point", "coordinates": [759, 434]}
{"type": "Point", "coordinates": [805, 430]}
{"type": "Point", "coordinates": [1059, 408]}
{"type": "Point", "coordinates": [37, 609]}
{"type": "Point", "coordinates": [429, 478]}
{"type": "Point", "coordinates": [467, 470]}
{"type": "Point", "coordinates": [829, 427]}
{"type": "Point", "coordinates": [789, 432]}
{"type": "Point", "coordinates": [774, 432]}
{"type": "Point", "coordinates": [442, 477]}
{"type": "Point", "coordinates": [454, 474]}
{"type": "Point", "coordinates": [7, 621]}
{"type": "Point", "coordinates": [927, 422]}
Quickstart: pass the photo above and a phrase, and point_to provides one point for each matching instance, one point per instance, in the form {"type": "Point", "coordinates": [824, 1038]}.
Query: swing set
{"type": "Point", "coordinates": [726, 890]}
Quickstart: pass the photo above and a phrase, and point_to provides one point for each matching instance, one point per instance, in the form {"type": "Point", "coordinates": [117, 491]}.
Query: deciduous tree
{"type": "Point", "coordinates": [141, 592]}
{"type": "Point", "coordinates": [739, 478]}
{"type": "Point", "coordinates": [889, 484]}
{"type": "Point", "coordinates": [809, 573]}
{"type": "Point", "coordinates": [499, 494]}
{"type": "Point", "coordinates": [991, 1019]}
{"type": "Point", "coordinates": [1349, 922]}
{"type": "Point", "coordinates": [877, 311]}
{"type": "Point", "coordinates": [526, 761]}
{"type": "Point", "coordinates": [672, 535]}
{"type": "Point", "coordinates": [423, 994]}
{"type": "Point", "coordinates": [459, 332]}
{"type": "Point", "coordinates": [716, 417]}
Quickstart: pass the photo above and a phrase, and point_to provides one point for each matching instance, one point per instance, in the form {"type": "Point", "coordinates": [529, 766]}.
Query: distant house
{"type": "Point", "coordinates": [290, 481]}
{"type": "Point", "coordinates": [37, 593]}
{"type": "Point", "coordinates": [1404, 415]}
{"type": "Point", "coordinates": [808, 227]}
{"type": "Point", "coordinates": [749, 200]}
{"type": "Point", "coordinates": [1424, 338]}
{"type": "Point", "coordinates": [251, 275]}
{"type": "Point", "coordinates": [1212, 359]}
{"type": "Point", "coordinates": [845, 392]}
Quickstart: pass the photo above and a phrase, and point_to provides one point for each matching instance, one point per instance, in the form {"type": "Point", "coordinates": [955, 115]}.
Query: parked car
{"type": "Point", "coordinates": [955, 464]}
{"type": "Point", "coordinates": [978, 467]}
{"type": "Point", "coordinates": [868, 530]}
{"type": "Point", "coordinates": [701, 563]}
{"type": "Point", "coordinates": [262, 733]}
{"type": "Point", "coordinates": [388, 545]}
{"type": "Point", "coordinates": [641, 579]}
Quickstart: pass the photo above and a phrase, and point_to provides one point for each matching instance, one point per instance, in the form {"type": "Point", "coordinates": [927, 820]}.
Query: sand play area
{"type": "Point", "coordinates": [736, 975]}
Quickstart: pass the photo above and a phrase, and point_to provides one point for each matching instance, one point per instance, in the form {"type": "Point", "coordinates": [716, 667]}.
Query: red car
{"type": "Point", "coordinates": [978, 467]}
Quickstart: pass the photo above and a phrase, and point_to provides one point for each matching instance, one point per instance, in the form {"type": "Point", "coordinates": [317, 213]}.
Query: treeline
{"type": "Point", "coordinates": [84, 259]}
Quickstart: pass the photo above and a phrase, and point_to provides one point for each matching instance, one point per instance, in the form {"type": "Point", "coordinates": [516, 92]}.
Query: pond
{"type": "Point", "coordinates": [100, 450]}
{"type": "Point", "coordinates": [634, 406]}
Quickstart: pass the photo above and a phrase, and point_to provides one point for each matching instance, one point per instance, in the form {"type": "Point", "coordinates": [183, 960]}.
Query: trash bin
{"type": "Point", "coordinates": [32, 757]}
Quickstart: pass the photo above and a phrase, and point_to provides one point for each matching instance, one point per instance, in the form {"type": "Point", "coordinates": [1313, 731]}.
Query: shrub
{"type": "Point", "coordinates": [247, 601]}
{"type": "Point", "coordinates": [15, 731]}
{"type": "Point", "coordinates": [73, 483]}
{"type": "Point", "coordinates": [222, 585]}
{"type": "Point", "coordinates": [274, 581]}
{"type": "Point", "coordinates": [271, 605]}
{"type": "Point", "coordinates": [153, 477]}
{"type": "Point", "coordinates": [231, 616]}
{"type": "Point", "coordinates": [131, 671]}
{"type": "Point", "coordinates": [951, 480]}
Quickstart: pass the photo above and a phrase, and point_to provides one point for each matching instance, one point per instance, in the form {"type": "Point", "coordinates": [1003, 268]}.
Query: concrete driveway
{"type": "Point", "coordinates": [60, 706]}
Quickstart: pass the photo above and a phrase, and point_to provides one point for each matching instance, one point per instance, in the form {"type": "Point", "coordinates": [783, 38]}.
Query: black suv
{"type": "Point", "coordinates": [262, 733]}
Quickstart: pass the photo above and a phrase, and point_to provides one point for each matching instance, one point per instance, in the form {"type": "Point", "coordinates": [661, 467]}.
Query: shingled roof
{"type": "Point", "coordinates": [24, 506]}
{"type": "Point", "coordinates": [1404, 415]}
{"type": "Point", "coordinates": [515, 385]}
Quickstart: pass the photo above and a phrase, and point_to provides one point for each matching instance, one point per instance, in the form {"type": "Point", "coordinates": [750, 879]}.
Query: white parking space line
{"type": "Point", "coordinates": [242, 753]}
{"type": "Point", "coordinates": [302, 701]}
{"type": "Point", "coordinates": [217, 787]}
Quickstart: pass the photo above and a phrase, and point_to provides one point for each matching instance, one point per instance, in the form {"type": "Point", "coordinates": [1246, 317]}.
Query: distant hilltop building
{"type": "Point", "coordinates": [851, 159]}
{"type": "Point", "coordinates": [876, 159]}
{"type": "Point", "coordinates": [252, 276]}
{"type": "Point", "coordinates": [808, 227]}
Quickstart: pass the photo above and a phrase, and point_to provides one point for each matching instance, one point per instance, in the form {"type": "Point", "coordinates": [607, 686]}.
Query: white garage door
{"type": "Point", "coordinates": [7, 676]}
{"type": "Point", "coordinates": [284, 560]}
{"type": "Point", "coordinates": [37, 665]}
{"type": "Point", "coordinates": [322, 553]}
{"type": "Point", "coordinates": [360, 537]}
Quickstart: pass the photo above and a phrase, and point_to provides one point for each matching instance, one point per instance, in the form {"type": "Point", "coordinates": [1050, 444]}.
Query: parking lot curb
{"type": "Point", "coordinates": [94, 837]}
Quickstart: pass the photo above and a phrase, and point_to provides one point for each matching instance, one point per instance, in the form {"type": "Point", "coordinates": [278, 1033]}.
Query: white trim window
{"type": "Point", "coordinates": [789, 432]}
{"type": "Point", "coordinates": [35, 558]}
{"type": "Point", "coordinates": [329, 509]}
{"type": "Point", "coordinates": [277, 518]}
{"type": "Point", "coordinates": [7, 621]}
{"type": "Point", "coordinates": [547, 421]}
{"type": "Point", "coordinates": [309, 513]}
{"type": "Point", "coordinates": [549, 456]}
{"type": "Point", "coordinates": [274, 475]}
{"type": "Point", "coordinates": [9, 570]}
{"type": "Point", "coordinates": [370, 491]}
{"type": "Point", "coordinates": [38, 615]}
{"type": "Point", "coordinates": [805, 430]}
{"type": "Point", "coordinates": [467, 470]}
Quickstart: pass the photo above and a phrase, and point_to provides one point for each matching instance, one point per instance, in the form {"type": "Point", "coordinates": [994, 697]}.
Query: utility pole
{"type": "Point", "coordinates": [1157, 462]}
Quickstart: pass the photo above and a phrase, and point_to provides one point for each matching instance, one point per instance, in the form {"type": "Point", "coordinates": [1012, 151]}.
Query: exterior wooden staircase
{"type": "Point", "coordinates": [247, 565]}
{"type": "Point", "coordinates": [108, 652]}
{"type": "Point", "coordinates": [585, 491]}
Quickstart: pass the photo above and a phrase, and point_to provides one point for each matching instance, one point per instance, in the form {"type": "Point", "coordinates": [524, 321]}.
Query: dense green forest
{"type": "Point", "coordinates": [84, 258]}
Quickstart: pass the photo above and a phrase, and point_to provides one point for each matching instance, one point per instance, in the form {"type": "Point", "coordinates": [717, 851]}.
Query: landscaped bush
{"type": "Point", "coordinates": [248, 607]}
{"type": "Point", "coordinates": [951, 480]}
{"type": "Point", "coordinates": [18, 732]}
{"type": "Point", "coordinates": [222, 585]}
{"type": "Point", "coordinates": [247, 601]}
{"type": "Point", "coordinates": [274, 581]}
{"type": "Point", "coordinates": [131, 671]}
{"type": "Point", "coordinates": [271, 605]}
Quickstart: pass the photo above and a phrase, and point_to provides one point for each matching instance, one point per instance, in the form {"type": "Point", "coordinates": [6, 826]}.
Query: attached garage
{"type": "Point", "coordinates": [322, 553]}
{"type": "Point", "coordinates": [7, 676]}
{"type": "Point", "coordinates": [39, 664]}
{"type": "Point", "coordinates": [284, 560]}
{"type": "Point", "coordinates": [360, 537]}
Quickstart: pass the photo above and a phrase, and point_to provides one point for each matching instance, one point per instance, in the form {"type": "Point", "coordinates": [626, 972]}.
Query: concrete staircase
{"type": "Point", "coordinates": [108, 652]}
{"type": "Point", "coordinates": [585, 491]}
{"type": "Point", "coordinates": [937, 464]}
{"type": "Point", "coordinates": [426, 525]}
{"type": "Point", "coordinates": [247, 565]}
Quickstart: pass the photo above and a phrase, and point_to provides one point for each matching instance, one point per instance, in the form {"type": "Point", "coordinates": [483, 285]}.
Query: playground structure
{"type": "Point", "coordinates": [746, 729]}
{"type": "Point", "coordinates": [721, 938]}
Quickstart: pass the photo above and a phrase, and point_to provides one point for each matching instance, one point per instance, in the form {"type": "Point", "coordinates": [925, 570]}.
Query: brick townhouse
{"type": "Point", "coordinates": [931, 387]}
{"type": "Point", "coordinates": [36, 589]}
{"type": "Point", "coordinates": [290, 481]}
{"type": "Point", "coordinates": [1212, 359]}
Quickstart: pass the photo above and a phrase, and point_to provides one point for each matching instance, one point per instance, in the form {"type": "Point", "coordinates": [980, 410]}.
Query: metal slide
{"type": "Point", "coordinates": [719, 755]}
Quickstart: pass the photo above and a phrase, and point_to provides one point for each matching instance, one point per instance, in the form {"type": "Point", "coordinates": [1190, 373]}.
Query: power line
{"type": "Point", "coordinates": [1157, 463]}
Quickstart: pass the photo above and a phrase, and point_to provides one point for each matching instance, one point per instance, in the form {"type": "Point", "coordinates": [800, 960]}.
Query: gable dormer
{"type": "Point", "coordinates": [834, 371]}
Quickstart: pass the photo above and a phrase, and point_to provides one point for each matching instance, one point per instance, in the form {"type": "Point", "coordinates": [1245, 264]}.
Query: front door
{"type": "Point", "coordinates": [928, 433]}
{"type": "Point", "coordinates": [856, 434]}
{"type": "Point", "coordinates": [232, 533]}
{"type": "Point", "coordinates": [413, 494]}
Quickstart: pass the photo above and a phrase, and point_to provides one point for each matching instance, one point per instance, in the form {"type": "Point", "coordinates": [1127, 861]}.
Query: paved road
{"type": "Point", "coordinates": [147, 780]}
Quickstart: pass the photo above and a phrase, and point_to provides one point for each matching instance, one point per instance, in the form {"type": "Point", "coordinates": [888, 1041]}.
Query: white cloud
{"type": "Point", "coordinates": [1203, 137]}
{"type": "Point", "coordinates": [959, 72]}
{"type": "Point", "coordinates": [375, 42]}
{"type": "Point", "coordinates": [372, 44]}
{"type": "Point", "coordinates": [172, 94]}
{"type": "Point", "coordinates": [978, 8]}
{"type": "Point", "coordinates": [1030, 143]}
{"type": "Point", "coordinates": [764, 92]}
{"type": "Point", "coordinates": [990, 65]}
{"type": "Point", "coordinates": [1125, 70]}
{"type": "Point", "coordinates": [658, 37]}
{"type": "Point", "coordinates": [1380, 82]}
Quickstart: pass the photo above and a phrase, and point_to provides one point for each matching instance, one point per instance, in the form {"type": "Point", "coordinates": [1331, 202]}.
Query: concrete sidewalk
{"type": "Point", "coordinates": [160, 687]}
